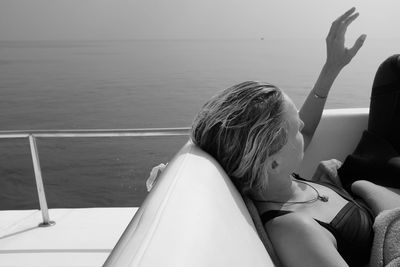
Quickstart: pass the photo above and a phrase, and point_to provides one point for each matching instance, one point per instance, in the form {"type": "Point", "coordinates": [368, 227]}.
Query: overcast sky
{"type": "Point", "coordinates": [183, 19]}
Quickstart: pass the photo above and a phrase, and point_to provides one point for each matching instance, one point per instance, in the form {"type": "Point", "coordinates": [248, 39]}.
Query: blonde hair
{"type": "Point", "coordinates": [241, 127]}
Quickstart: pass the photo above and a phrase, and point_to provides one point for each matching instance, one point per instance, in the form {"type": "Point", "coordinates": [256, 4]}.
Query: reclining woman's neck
{"type": "Point", "coordinates": [280, 188]}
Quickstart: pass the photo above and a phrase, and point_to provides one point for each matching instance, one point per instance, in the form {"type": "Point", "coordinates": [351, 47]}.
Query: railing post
{"type": "Point", "coordinates": [39, 183]}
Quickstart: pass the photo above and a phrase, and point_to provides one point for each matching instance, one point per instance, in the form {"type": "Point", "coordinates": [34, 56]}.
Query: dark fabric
{"type": "Point", "coordinates": [384, 117]}
{"type": "Point", "coordinates": [377, 155]}
{"type": "Point", "coordinates": [351, 227]}
{"type": "Point", "coordinates": [375, 160]}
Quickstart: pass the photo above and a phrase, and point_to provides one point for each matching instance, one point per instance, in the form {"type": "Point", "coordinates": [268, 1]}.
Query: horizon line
{"type": "Point", "coordinates": [261, 38]}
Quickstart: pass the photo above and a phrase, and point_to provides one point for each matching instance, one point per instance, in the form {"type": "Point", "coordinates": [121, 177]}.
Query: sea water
{"type": "Point", "coordinates": [139, 84]}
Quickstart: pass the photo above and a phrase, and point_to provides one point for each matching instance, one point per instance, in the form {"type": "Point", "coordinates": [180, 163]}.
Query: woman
{"type": "Point", "coordinates": [256, 133]}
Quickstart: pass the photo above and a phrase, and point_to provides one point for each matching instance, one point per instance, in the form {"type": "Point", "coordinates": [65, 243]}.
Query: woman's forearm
{"type": "Point", "coordinates": [311, 111]}
{"type": "Point", "coordinates": [338, 56]}
{"type": "Point", "coordinates": [377, 197]}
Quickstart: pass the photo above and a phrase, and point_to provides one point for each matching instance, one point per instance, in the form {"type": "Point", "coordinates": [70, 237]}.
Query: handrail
{"type": "Point", "coordinates": [146, 132]}
{"type": "Point", "coordinates": [78, 133]}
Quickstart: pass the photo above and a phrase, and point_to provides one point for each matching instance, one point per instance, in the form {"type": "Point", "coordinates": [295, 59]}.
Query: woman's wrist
{"type": "Point", "coordinates": [331, 69]}
{"type": "Point", "coordinates": [325, 80]}
{"type": "Point", "coordinates": [318, 96]}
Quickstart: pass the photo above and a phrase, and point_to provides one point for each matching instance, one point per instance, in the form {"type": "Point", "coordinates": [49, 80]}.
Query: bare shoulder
{"type": "Point", "coordinates": [289, 224]}
{"type": "Point", "coordinates": [296, 228]}
{"type": "Point", "coordinates": [299, 239]}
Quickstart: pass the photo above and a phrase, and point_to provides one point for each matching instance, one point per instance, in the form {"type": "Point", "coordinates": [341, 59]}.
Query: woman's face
{"type": "Point", "coordinates": [292, 152]}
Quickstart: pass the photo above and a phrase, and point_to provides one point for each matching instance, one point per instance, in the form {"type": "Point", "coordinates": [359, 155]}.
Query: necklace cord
{"type": "Point", "coordinates": [318, 197]}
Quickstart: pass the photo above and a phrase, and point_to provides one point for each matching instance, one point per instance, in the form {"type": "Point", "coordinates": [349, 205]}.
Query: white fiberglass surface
{"type": "Point", "coordinates": [80, 237]}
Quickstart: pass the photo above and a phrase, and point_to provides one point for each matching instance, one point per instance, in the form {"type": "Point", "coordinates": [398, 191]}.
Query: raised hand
{"type": "Point", "coordinates": [338, 55]}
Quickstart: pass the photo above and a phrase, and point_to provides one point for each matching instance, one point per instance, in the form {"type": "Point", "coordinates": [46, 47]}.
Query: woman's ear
{"type": "Point", "coordinates": [273, 165]}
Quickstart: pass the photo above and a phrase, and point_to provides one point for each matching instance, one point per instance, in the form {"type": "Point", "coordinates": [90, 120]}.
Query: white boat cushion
{"type": "Point", "coordinates": [194, 216]}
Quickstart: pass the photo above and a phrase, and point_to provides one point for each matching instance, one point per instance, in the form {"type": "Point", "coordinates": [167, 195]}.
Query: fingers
{"type": "Point", "coordinates": [337, 163]}
{"type": "Point", "coordinates": [357, 45]}
{"type": "Point", "coordinates": [350, 19]}
{"type": "Point", "coordinates": [346, 14]}
{"type": "Point", "coordinates": [343, 26]}
{"type": "Point", "coordinates": [343, 20]}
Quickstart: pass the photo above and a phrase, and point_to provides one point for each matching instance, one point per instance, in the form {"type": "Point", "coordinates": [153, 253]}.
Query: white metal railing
{"type": "Point", "coordinates": [80, 133]}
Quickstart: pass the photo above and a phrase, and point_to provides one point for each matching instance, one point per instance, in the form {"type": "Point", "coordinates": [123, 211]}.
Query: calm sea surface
{"type": "Point", "coordinates": [138, 84]}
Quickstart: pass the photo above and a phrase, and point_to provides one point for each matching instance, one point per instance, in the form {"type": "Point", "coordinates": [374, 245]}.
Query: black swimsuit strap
{"type": "Point", "coordinates": [271, 214]}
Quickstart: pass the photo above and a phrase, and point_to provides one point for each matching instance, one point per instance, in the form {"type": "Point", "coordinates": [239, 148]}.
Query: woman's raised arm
{"type": "Point", "coordinates": [338, 56]}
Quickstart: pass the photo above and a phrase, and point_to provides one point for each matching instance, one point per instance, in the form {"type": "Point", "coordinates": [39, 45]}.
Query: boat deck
{"type": "Point", "coordinates": [80, 237]}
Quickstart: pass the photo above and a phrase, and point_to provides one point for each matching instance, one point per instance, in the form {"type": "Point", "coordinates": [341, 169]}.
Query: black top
{"type": "Point", "coordinates": [352, 227]}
